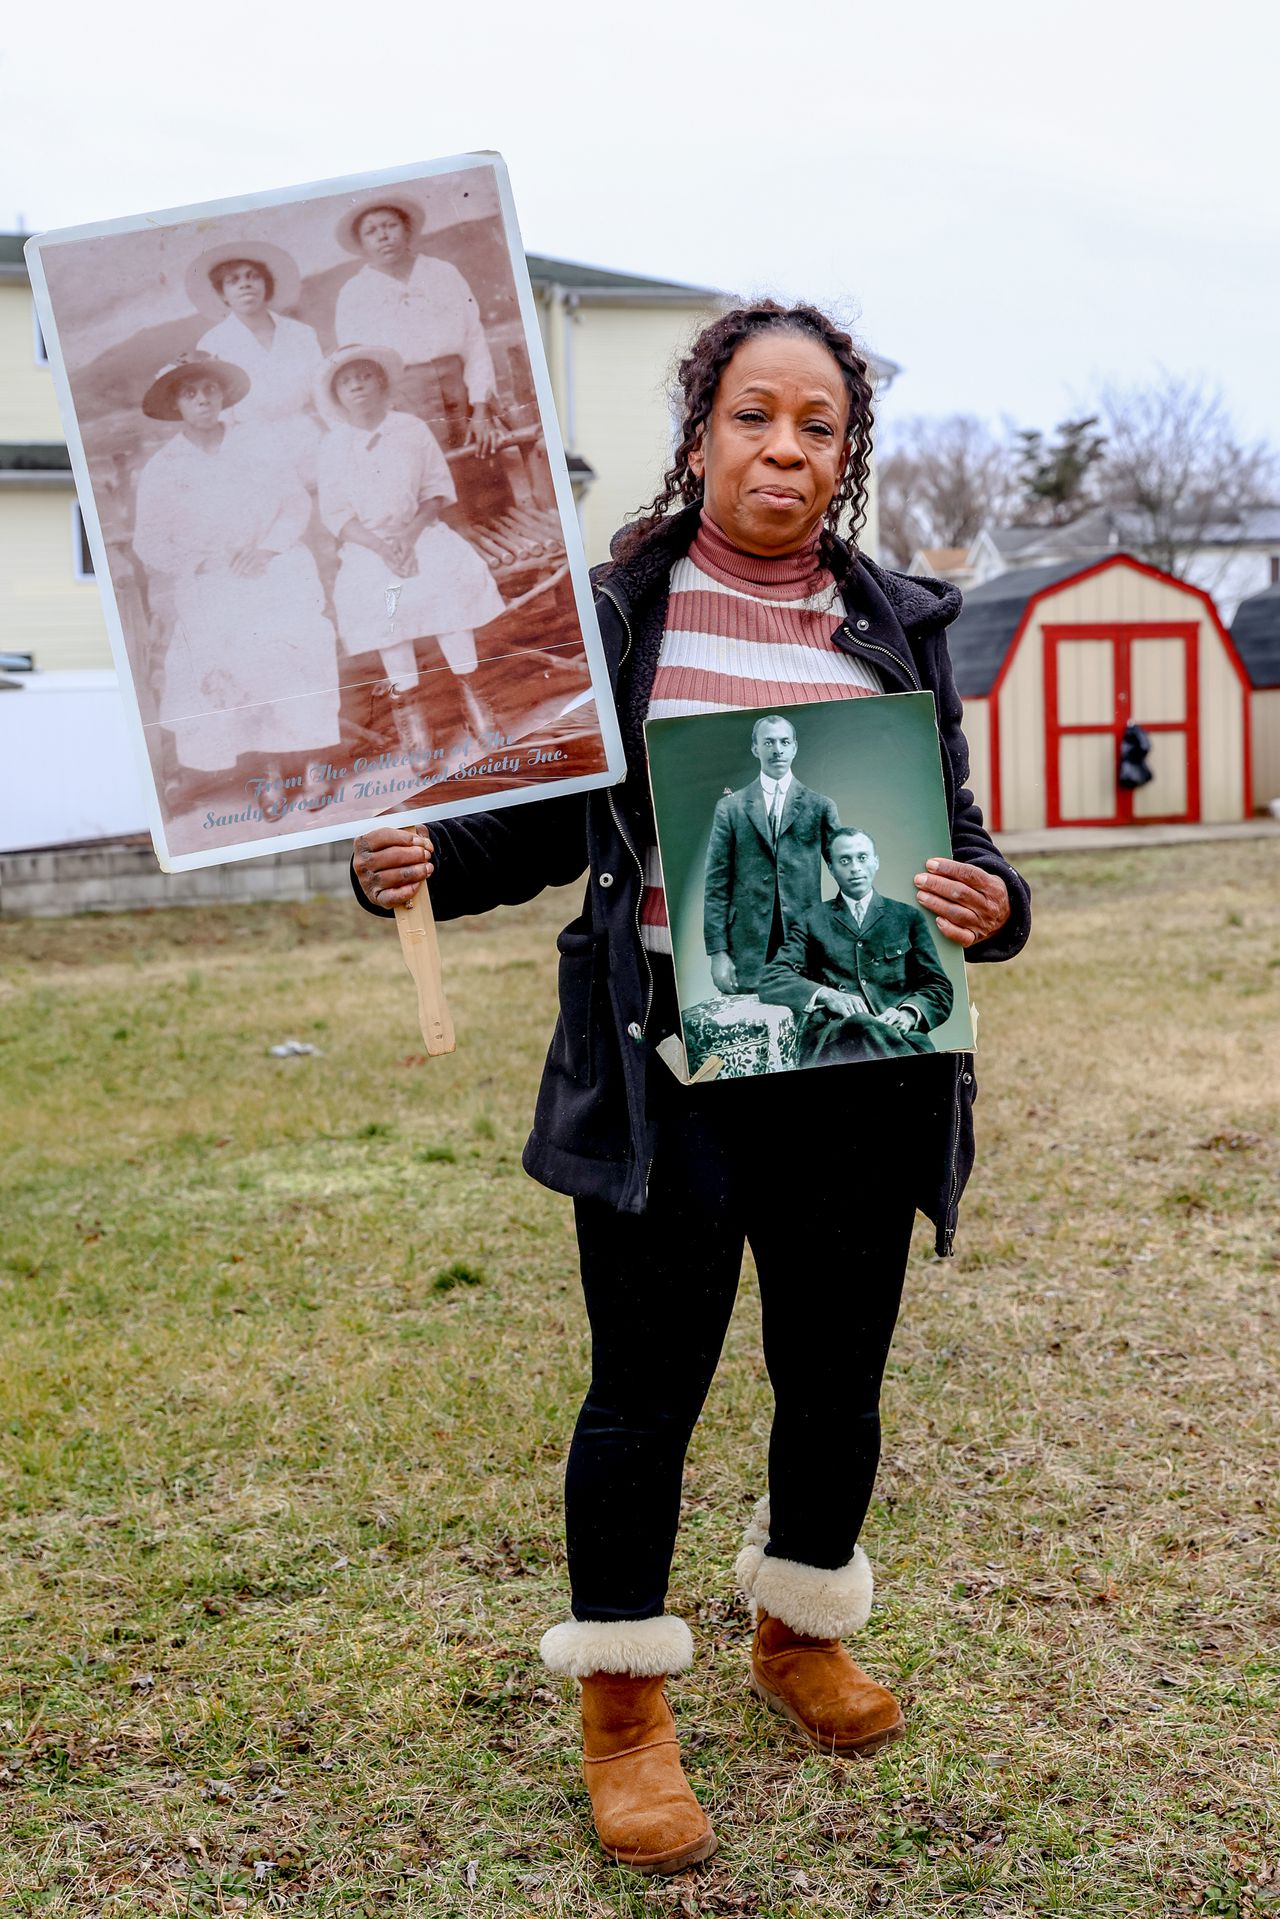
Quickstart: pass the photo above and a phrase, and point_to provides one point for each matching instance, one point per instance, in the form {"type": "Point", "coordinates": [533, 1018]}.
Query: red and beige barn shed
{"type": "Point", "coordinates": [1052, 664]}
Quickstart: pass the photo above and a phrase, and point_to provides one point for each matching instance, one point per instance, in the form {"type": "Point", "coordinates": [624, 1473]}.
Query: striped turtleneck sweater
{"type": "Point", "coordinates": [743, 631]}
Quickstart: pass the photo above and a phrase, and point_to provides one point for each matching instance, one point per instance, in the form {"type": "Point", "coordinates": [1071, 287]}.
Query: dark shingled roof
{"type": "Point", "coordinates": [980, 638]}
{"type": "Point", "coordinates": [543, 271]}
{"type": "Point", "coordinates": [1256, 633]}
{"type": "Point", "coordinates": [571, 275]}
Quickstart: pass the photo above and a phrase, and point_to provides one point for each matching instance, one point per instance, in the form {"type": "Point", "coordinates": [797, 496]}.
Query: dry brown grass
{"type": "Point", "coordinates": [292, 1350]}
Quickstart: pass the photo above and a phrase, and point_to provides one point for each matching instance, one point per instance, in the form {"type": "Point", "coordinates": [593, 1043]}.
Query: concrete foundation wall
{"type": "Point", "coordinates": [122, 877]}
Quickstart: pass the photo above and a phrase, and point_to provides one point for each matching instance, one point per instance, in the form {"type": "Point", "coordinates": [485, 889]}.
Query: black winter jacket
{"type": "Point", "coordinates": [591, 1135]}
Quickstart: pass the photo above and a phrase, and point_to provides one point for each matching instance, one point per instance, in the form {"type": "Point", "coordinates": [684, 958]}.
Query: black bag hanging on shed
{"type": "Point", "coordinates": [1134, 747]}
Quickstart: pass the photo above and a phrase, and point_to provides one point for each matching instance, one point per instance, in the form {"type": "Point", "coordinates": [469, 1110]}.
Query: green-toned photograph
{"type": "Point", "coordinates": [790, 838]}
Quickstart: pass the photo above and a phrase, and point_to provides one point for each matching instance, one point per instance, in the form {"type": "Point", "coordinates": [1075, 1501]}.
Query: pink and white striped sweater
{"type": "Point", "coordinates": [742, 631]}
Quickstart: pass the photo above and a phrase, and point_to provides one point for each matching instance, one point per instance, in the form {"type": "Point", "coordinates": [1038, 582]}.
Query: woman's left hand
{"type": "Point", "coordinates": [970, 904]}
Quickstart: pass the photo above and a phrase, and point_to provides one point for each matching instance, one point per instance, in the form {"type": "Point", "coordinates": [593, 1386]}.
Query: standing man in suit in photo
{"type": "Point", "coordinates": [861, 970]}
{"type": "Point", "coordinates": [764, 861]}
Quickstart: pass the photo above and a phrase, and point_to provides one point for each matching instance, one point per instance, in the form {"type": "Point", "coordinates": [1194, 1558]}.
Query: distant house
{"type": "Point", "coordinates": [964, 566]}
{"type": "Point", "coordinates": [1229, 561]}
{"type": "Point", "coordinates": [1054, 662]}
{"type": "Point", "coordinates": [49, 604]}
{"type": "Point", "coordinates": [1256, 633]}
{"type": "Point", "coordinates": [613, 343]}
{"type": "Point", "coordinates": [612, 340]}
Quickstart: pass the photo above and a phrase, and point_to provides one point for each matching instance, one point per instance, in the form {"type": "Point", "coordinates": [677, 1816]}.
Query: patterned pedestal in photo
{"type": "Point", "coordinates": [747, 1035]}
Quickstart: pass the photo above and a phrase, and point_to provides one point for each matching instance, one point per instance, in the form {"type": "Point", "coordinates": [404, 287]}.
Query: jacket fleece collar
{"type": "Point", "coordinates": [918, 604]}
{"type": "Point", "coordinates": [897, 610]}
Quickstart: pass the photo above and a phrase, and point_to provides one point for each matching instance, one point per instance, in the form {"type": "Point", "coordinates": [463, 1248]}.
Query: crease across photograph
{"type": "Point", "coordinates": [316, 449]}
{"type": "Point", "coordinates": [788, 842]}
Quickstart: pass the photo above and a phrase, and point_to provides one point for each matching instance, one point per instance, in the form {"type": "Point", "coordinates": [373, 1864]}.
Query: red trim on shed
{"type": "Point", "coordinates": [1122, 634]}
{"type": "Point", "coordinates": [1152, 573]}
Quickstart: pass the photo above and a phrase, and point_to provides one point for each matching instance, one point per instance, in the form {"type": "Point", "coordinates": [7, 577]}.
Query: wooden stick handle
{"type": "Point", "coordinates": [421, 951]}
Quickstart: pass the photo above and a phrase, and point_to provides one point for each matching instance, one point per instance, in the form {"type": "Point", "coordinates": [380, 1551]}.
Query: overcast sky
{"type": "Point", "coordinates": [1013, 203]}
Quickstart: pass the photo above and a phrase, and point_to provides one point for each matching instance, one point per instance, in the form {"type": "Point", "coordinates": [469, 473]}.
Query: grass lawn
{"type": "Point", "coordinates": [290, 1351]}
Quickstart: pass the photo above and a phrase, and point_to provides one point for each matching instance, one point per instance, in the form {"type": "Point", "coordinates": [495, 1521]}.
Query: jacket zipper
{"type": "Point", "coordinates": [953, 1142]}
{"type": "Point", "coordinates": [620, 823]}
{"type": "Point", "coordinates": [870, 646]}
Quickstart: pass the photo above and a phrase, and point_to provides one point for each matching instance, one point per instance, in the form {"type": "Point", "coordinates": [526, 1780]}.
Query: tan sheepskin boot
{"type": "Point", "coordinates": [798, 1665]}
{"type": "Point", "coordinates": [645, 1812]}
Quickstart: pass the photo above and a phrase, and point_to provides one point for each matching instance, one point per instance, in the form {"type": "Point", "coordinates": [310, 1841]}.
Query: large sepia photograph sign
{"type": "Point", "coordinates": [326, 498]}
{"type": "Point", "coordinates": [790, 838]}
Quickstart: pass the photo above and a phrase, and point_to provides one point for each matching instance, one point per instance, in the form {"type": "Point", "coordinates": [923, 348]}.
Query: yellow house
{"type": "Point", "coordinates": [613, 341]}
{"type": "Point", "coordinates": [49, 605]}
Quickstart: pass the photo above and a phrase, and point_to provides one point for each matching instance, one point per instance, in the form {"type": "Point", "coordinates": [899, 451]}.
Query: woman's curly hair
{"type": "Point", "coordinates": [699, 378]}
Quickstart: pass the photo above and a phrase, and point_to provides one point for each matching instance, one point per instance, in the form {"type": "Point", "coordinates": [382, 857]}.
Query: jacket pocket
{"type": "Point", "coordinates": [582, 1002]}
{"type": "Point", "coordinates": [888, 959]}
{"type": "Point", "coordinates": [582, 1112]}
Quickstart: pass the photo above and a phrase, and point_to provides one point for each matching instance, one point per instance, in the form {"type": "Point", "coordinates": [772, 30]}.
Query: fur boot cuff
{"type": "Point", "coordinates": [824, 1602]}
{"type": "Point", "coordinates": [643, 1648]}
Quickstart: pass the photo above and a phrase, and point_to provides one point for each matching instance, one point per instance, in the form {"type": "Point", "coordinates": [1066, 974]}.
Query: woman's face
{"type": "Point", "coordinates": [383, 235]}
{"type": "Point", "coordinates": [773, 450]}
{"type": "Point", "coordinates": [243, 287]}
{"type": "Point", "coordinates": [199, 402]}
{"type": "Point", "coordinates": [360, 386]}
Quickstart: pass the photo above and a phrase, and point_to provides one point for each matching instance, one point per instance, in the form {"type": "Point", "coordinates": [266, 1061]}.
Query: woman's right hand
{"type": "Point", "coordinates": [391, 863]}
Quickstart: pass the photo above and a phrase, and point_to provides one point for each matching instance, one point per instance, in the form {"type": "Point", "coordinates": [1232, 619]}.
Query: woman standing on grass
{"type": "Point", "coordinates": [820, 1173]}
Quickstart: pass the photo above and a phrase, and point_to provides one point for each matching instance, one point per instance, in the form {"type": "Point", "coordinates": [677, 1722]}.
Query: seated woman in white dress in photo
{"type": "Point", "coordinates": [243, 285]}
{"type": "Point", "coordinates": [403, 575]}
{"type": "Point", "coordinates": [251, 668]}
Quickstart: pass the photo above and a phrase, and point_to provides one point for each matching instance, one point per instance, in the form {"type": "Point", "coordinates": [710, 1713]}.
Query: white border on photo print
{"type": "Point", "coordinates": [50, 261]}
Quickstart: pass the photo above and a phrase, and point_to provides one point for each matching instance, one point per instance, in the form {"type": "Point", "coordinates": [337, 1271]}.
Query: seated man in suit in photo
{"type": "Point", "coordinates": [764, 861]}
{"type": "Point", "coordinates": [861, 970]}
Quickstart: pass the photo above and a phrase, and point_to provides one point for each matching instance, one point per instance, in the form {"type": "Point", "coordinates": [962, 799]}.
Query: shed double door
{"type": "Point", "coordinates": [1098, 678]}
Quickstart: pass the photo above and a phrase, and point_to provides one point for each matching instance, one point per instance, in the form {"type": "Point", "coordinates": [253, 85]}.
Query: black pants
{"type": "Point", "coordinates": [811, 1170]}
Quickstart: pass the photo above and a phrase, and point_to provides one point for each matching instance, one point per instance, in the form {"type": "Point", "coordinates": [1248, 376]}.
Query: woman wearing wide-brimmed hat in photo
{"type": "Point", "coordinates": [251, 665]}
{"type": "Point", "coordinates": [424, 309]}
{"type": "Point", "coordinates": [403, 575]}
{"type": "Point", "coordinates": [248, 287]}
{"type": "Point", "coordinates": [732, 590]}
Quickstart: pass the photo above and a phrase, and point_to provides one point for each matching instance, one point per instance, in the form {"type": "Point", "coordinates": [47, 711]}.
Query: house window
{"type": "Point", "coordinates": [41, 352]}
{"type": "Point", "coordinates": [82, 558]}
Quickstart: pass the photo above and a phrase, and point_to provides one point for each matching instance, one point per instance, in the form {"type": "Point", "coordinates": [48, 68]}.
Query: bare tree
{"type": "Point", "coordinates": [1164, 460]}
{"type": "Point", "coordinates": [1177, 471]}
{"type": "Point", "coordinates": [940, 481]}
